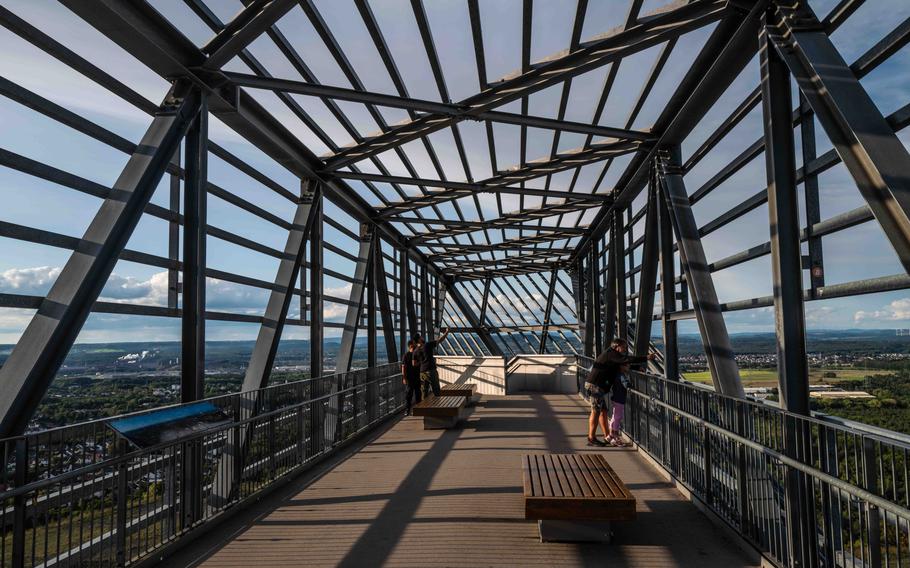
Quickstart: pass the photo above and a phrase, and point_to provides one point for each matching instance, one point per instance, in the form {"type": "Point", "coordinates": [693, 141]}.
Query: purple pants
{"type": "Point", "coordinates": [616, 419]}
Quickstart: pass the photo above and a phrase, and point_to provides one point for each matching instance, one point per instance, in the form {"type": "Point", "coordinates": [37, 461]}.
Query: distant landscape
{"type": "Point", "coordinates": [866, 373]}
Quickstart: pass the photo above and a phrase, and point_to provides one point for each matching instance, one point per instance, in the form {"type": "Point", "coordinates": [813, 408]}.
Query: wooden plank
{"type": "Point", "coordinates": [580, 487]}
{"type": "Point", "coordinates": [589, 479]}
{"type": "Point", "coordinates": [439, 406]}
{"type": "Point", "coordinates": [568, 465]}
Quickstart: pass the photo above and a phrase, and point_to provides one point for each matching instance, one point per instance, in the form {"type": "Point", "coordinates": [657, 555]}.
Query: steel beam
{"type": "Point", "coordinates": [711, 325]}
{"type": "Point", "coordinates": [355, 308]}
{"type": "Point", "coordinates": [276, 312]}
{"type": "Point", "coordinates": [478, 325]}
{"type": "Point", "coordinates": [731, 46]}
{"type": "Point", "coordinates": [589, 291]}
{"type": "Point", "coordinates": [667, 284]}
{"type": "Point", "coordinates": [783, 213]}
{"type": "Point", "coordinates": [316, 291]}
{"type": "Point", "coordinates": [195, 198]}
{"type": "Point", "coordinates": [648, 277]}
{"type": "Point", "coordinates": [873, 154]}
{"type": "Point", "coordinates": [34, 361]}
{"type": "Point", "coordinates": [650, 31]}
{"type": "Point", "coordinates": [410, 307]}
{"type": "Point", "coordinates": [816, 264]}
{"type": "Point", "coordinates": [382, 296]}
{"type": "Point", "coordinates": [370, 305]}
{"type": "Point", "coordinates": [252, 21]}
{"type": "Point", "coordinates": [622, 307]}
{"type": "Point", "coordinates": [418, 105]}
{"type": "Point", "coordinates": [545, 332]}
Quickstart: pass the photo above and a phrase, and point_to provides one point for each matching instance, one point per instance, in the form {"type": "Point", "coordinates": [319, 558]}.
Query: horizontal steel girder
{"type": "Point", "coordinates": [417, 105]}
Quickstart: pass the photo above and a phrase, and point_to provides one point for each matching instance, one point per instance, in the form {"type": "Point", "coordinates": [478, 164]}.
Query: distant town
{"type": "Point", "coordinates": [854, 374]}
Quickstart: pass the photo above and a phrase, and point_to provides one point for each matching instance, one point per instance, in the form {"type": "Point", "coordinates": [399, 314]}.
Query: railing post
{"type": "Point", "coordinates": [19, 504]}
{"type": "Point", "coordinates": [121, 498]}
{"type": "Point", "coordinates": [742, 468]}
{"type": "Point", "coordinates": [871, 483]}
{"type": "Point", "coordinates": [270, 434]}
{"type": "Point", "coordinates": [706, 434]}
{"type": "Point", "coordinates": [301, 425]}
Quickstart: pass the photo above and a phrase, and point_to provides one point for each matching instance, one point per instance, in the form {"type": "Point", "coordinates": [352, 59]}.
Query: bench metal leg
{"type": "Point", "coordinates": [574, 531]}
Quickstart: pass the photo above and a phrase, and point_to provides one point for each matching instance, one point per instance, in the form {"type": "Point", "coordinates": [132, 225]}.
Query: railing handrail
{"type": "Point", "coordinates": [845, 424]}
{"type": "Point", "coordinates": [99, 421]}
{"type": "Point", "coordinates": [139, 452]}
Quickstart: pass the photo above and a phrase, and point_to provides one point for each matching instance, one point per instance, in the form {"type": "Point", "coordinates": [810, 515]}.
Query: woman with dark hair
{"type": "Point", "coordinates": [410, 376]}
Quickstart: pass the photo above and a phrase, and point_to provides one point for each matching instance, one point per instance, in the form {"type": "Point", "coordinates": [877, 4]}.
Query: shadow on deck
{"type": "Point", "coordinates": [412, 497]}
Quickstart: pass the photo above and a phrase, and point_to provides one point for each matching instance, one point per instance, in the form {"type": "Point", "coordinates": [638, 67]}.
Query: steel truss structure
{"type": "Point", "coordinates": [556, 253]}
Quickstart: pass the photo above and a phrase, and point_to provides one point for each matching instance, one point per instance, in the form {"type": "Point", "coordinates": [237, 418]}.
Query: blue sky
{"type": "Point", "coordinates": [30, 269]}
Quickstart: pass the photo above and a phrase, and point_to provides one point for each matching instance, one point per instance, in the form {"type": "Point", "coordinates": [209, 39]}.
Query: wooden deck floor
{"type": "Point", "coordinates": [415, 497]}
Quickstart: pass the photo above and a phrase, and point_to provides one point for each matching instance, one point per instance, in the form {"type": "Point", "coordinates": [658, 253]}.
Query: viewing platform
{"type": "Point", "coordinates": [414, 497]}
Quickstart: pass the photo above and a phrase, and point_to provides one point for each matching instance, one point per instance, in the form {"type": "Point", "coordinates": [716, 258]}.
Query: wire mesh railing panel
{"type": "Point", "coordinates": [802, 491]}
{"type": "Point", "coordinates": [113, 504]}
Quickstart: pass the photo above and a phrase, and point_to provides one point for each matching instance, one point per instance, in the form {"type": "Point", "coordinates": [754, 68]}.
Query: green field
{"type": "Point", "coordinates": [768, 377]}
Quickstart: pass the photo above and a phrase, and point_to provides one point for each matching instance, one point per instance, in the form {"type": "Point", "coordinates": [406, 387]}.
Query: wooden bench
{"type": "Point", "coordinates": [574, 497]}
{"type": "Point", "coordinates": [465, 390]}
{"type": "Point", "coordinates": [440, 411]}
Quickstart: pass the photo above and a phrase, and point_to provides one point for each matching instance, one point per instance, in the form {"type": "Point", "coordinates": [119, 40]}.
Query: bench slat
{"type": "Point", "coordinates": [574, 487]}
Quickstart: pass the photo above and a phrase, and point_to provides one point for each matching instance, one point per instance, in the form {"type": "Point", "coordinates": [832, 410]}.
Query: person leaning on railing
{"type": "Point", "coordinates": [603, 378]}
{"type": "Point", "coordinates": [410, 376]}
{"type": "Point", "coordinates": [426, 357]}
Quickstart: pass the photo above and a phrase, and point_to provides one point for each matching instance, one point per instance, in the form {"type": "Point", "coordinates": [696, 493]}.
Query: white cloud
{"type": "Point", "coordinates": [898, 310]}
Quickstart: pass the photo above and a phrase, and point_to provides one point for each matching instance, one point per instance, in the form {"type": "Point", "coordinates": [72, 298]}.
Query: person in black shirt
{"type": "Point", "coordinates": [426, 356]}
{"type": "Point", "coordinates": [604, 374]}
{"type": "Point", "coordinates": [410, 375]}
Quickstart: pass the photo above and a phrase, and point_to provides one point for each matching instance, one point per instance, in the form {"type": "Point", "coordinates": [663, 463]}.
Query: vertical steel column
{"type": "Point", "coordinates": [426, 324]}
{"type": "Point", "coordinates": [401, 287]}
{"type": "Point", "coordinates": [192, 368]}
{"type": "Point", "coordinates": [596, 299]}
{"type": "Point", "coordinates": [630, 292]}
{"type": "Point", "coordinates": [648, 274]}
{"type": "Point", "coordinates": [711, 325]}
{"type": "Point", "coordinates": [355, 307]}
{"type": "Point", "coordinates": [173, 238]}
{"type": "Point", "coordinates": [786, 267]}
{"type": "Point", "coordinates": [622, 306]}
{"type": "Point", "coordinates": [783, 212]}
{"type": "Point", "coordinates": [816, 260]}
{"type": "Point", "coordinates": [667, 285]}
{"type": "Point", "coordinates": [577, 277]}
{"type": "Point", "coordinates": [316, 303]}
{"type": "Point", "coordinates": [591, 290]}
{"type": "Point", "coordinates": [410, 306]}
{"type": "Point", "coordinates": [371, 306]}
{"type": "Point", "coordinates": [610, 292]}
{"type": "Point", "coordinates": [276, 312]}
{"type": "Point", "coordinates": [385, 308]}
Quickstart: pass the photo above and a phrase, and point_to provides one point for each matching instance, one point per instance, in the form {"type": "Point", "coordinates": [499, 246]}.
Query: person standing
{"type": "Point", "coordinates": [603, 375]}
{"type": "Point", "coordinates": [426, 356]}
{"type": "Point", "coordinates": [410, 376]}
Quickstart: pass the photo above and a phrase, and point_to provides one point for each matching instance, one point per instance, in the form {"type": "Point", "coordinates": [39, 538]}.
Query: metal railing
{"type": "Point", "coordinates": [804, 491]}
{"type": "Point", "coordinates": [79, 495]}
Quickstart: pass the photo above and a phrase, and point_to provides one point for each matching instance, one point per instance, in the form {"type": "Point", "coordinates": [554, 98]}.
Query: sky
{"type": "Point", "coordinates": [860, 252]}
